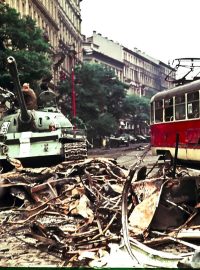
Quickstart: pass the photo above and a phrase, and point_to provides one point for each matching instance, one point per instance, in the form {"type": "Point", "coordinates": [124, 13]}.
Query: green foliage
{"type": "Point", "coordinates": [64, 98]}
{"type": "Point", "coordinates": [99, 98]}
{"type": "Point", "coordinates": [99, 91]}
{"type": "Point", "coordinates": [137, 108]}
{"type": "Point", "coordinates": [21, 38]}
{"type": "Point", "coordinates": [78, 123]}
{"type": "Point", "coordinates": [103, 126]}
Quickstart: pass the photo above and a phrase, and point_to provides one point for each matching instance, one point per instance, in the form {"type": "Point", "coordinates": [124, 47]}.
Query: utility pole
{"type": "Point", "coordinates": [73, 92]}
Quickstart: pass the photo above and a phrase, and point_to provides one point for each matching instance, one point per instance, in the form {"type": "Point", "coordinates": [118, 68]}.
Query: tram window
{"type": "Point", "coordinates": [152, 114]}
{"type": "Point", "coordinates": [193, 105]}
{"type": "Point", "coordinates": [158, 111]}
{"type": "Point", "coordinates": [180, 107]}
{"type": "Point", "coordinates": [169, 109]}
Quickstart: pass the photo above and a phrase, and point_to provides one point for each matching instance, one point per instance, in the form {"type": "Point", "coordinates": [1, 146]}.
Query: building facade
{"type": "Point", "coordinates": [143, 74]}
{"type": "Point", "coordinates": [105, 52]}
{"type": "Point", "coordinates": [60, 21]}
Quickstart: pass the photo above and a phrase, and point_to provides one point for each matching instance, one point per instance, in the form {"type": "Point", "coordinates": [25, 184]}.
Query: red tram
{"type": "Point", "coordinates": [177, 111]}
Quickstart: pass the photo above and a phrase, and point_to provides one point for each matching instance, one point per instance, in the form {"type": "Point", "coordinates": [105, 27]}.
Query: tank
{"type": "Point", "coordinates": [39, 134]}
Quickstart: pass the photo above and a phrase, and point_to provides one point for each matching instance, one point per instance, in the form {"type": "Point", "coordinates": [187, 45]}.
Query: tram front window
{"type": "Point", "coordinates": [193, 105]}
{"type": "Point", "coordinates": [180, 107]}
{"type": "Point", "coordinates": [158, 111]}
{"type": "Point", "coordinates": [169, 109]}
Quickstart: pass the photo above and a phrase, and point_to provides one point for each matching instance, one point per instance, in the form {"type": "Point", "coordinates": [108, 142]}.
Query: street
{"type": "Point", "coordinates": [125, 156]}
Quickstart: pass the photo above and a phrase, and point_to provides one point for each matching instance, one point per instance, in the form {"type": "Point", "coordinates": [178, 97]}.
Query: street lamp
{"type": "Point", "coordinates": [73, 93]}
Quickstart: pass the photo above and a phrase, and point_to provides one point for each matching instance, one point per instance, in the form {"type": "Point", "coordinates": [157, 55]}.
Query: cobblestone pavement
{"type": "Point", "coordinates": [125, 156]}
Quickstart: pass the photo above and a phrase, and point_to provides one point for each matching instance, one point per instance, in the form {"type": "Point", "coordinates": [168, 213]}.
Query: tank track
{"type": "Point", "coordinates": [75, 151]}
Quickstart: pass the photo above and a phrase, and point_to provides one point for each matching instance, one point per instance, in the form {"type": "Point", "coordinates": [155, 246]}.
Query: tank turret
{"type": "Point", "coordinates": [25, 119]}
{"type": "Point", "coordinates": [36, 133]}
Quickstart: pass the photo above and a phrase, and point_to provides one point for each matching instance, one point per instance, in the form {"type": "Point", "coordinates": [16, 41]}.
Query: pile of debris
{"type": "Point", "coordinates": [98, 214]}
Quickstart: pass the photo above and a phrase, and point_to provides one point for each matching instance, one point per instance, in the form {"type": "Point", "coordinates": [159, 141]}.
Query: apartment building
{"type": "Point", "coordinates": [61, 22]}
{"type": "Point", "coordinates": [143, 74]}
{"type": "Point", "coordinates": [105, 52]}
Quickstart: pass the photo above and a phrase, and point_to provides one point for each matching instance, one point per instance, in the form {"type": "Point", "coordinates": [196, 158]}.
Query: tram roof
{"type": "Point", "coordinates": [181, 89]}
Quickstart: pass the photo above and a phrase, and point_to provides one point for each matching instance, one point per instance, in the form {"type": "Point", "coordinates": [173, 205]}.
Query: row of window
{"type": "Point", "coordinates": [140, 76]}
{"type": "Point", "coordinates": [185, 106]}
{"type": "Point", "coordinates": [139, 62]}
{"type": "Point", "coordinates": [73, 16]}
{"type": "Point", "coordinates": [152, 68]}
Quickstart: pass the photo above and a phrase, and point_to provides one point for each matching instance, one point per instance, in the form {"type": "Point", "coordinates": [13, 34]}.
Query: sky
{"type": "Point", "coordinates": [162, 29]}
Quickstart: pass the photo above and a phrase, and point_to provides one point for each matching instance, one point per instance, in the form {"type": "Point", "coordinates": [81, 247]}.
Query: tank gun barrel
{"type": "Point", "coordinates": [25, 116]}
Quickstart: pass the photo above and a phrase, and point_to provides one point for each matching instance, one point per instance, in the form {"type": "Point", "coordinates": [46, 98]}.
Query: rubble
{"type": "Point", "coordinates": [95, 213]}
